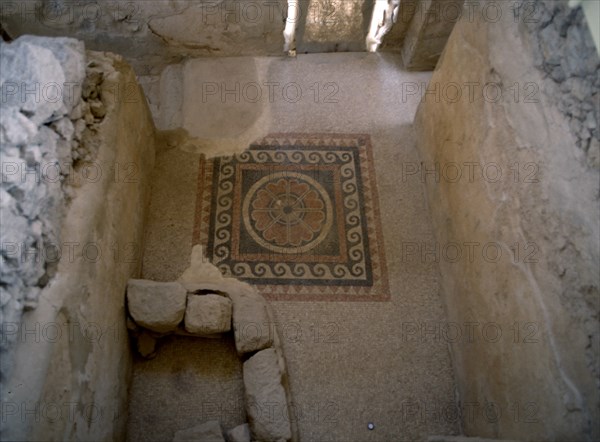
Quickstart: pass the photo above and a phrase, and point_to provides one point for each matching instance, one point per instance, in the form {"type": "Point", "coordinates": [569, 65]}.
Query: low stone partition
{"type": "Point", "coordinates": [202, 303]}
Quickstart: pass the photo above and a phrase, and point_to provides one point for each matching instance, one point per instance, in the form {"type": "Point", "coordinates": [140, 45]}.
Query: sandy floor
{"type": "Point", "coordinates": [350, 363]}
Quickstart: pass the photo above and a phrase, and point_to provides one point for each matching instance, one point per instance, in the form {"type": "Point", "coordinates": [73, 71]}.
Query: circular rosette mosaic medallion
{"type": "Point", "coordinates": [296, 215]}
{"type": "Point", "coordinates": [287, 212]}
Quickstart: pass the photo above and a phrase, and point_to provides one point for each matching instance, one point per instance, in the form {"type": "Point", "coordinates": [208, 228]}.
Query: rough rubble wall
{"type": "Point", "coordinates": [566, 55]}
{"type": "Point", "coordinates": [153, 34]}
{"type": "Point", "coordinates": [70, 352]}
{"type": "Point", "coordinates": [41, 81]}
{"type": "Point", "coordinates": [509, 150]}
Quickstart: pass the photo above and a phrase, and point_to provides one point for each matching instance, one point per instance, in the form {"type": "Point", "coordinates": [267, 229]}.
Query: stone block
{"type": "Point", "coordinates": [263, 388]}
{"type": "Point", "coordinates": [251, 321]}
{"type": "Point", "coordinates": [207, 314]}
{"type": "Point", "coordinates": [157, 306]}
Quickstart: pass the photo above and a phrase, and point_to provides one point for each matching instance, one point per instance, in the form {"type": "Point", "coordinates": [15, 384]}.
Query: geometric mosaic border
{"type": "Point", "coordinates": [336, 252]}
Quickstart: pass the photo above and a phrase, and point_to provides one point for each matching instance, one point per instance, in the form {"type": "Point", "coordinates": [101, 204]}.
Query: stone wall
{"type": "Point", "coordinates": [565, 54]}
{"type": "Point", "coordinates": [422, 27]}
{"type": "Point", "coordinates": [428, 33]}
{"type": "Point", "coordinates": [69, 350]}
{"type": "Point", "coordinates": [37, 136]}
{"type": "Point", "coordinates": [392, 41]}
{"type": "Point", "coordinates": [332, 25]}
{"type": "Point", "coordinates": [153, 34]}
{"type": "Point", "coordinates": [509, 142]}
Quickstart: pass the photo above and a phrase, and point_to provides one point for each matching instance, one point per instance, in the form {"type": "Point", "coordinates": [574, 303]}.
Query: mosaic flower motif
{"type": "Point", "coordinates": [288, 212]}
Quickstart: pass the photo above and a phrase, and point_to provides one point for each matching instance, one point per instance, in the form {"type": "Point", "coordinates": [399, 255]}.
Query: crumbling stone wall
{"type": "Point", "coordinates": [41, 82]}
{"type": "Point", "coordinates": [567, 57]}
{"type": "Point", "coordinates": [77, 145]}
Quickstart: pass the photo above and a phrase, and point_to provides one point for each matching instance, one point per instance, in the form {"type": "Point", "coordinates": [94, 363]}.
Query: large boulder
{"type": "Point", "coordinates": [32, 80]}
{"type": "Point", "coordinates": [264, 390]}
{"type": "Point", "coordinates": [207, 314]}
{"type": "Point", "coordinates": [68, 53]}
{"type": "Point", "coordinates": [157, 306]}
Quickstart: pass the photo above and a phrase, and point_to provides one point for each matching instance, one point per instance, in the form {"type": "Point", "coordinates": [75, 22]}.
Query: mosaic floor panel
{"type": "Point", "coordinates": [297, 215]}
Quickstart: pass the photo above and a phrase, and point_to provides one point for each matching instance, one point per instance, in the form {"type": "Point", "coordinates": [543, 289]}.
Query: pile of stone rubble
{"type": "Point", "coordinates": [50, 108]}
